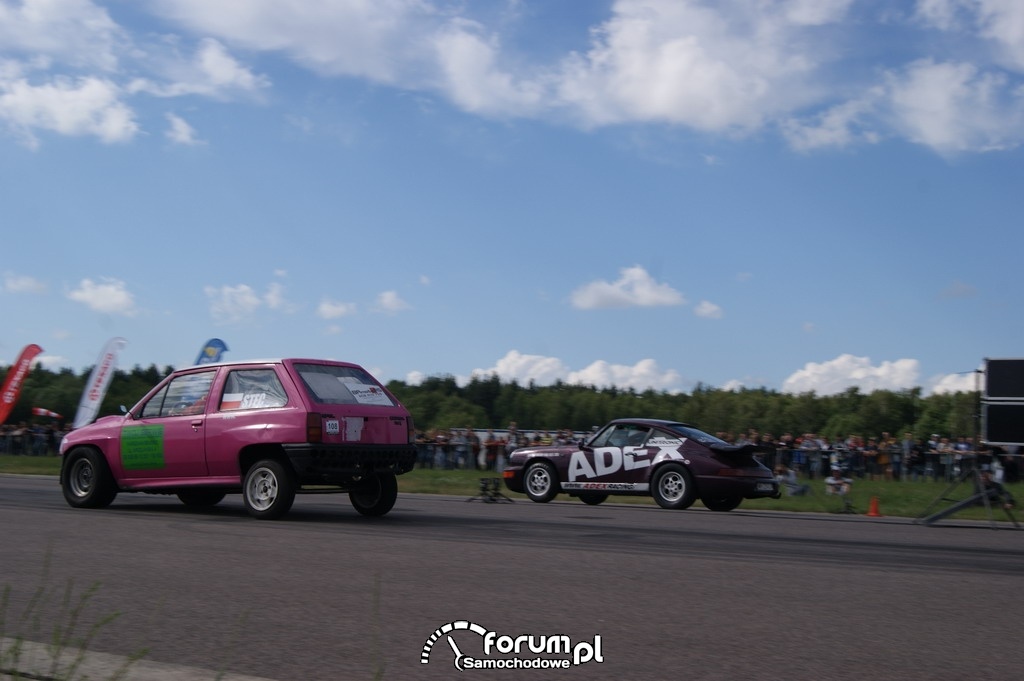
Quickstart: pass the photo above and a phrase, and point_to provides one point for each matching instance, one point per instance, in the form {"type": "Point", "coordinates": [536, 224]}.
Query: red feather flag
{"type": "Point", "coordinates": [15, 378]}
{"type": "Point", "coordinates": [39, 411]}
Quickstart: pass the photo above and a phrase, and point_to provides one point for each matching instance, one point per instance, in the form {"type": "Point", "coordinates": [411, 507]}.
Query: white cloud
{"type": "Point", "coordinates": [473, 79]}
{"type": "Point", "coordinates": [955, 107]}
{"type": "Point", "coordinates": [86, 106]}
{"type": "Point", "coordinates": [52, 362]}
{"type": "Point", "coordinates": [710, 66]}
{"type": "Point", "coordinates": [232, 304]}
{"type": "Point", "coordinates": [19, 283]}
{"type": "Point", "coordinates": [109, 296]}
{"type": "Point", "coordinates": [524, 368]}
{"type": "Point", "coordinates": [180, 132]}
{"type": "Point", "coordinates": [635, 288]}
{"type": "Point", "coordinates": [999, 21]}
{"type": "Point", "coordinates": [544, 370]}
{"type": "Point", "coordinates": [76, 32]}
{"type": "Point", "coordinates": [211, 72]}
{"type": "Point", "coordinates": [332, 309]}
{"type": "Point", "coordinates": [643, 375]}
{"type": "Point", "coordinates": [957, 383]}
{"type": "Point", "coordinates": [384, 41]}
{"type": "Point", "coordinates": [390, 302]}
{"type": "Point", "coordinates": [847, 371]}
{"type": "Point", "coordinates": [839, 126]}
{"type": "Point", "coordinates": [274, 297]}
{"type": "Point", "coordinates": [708, 310]}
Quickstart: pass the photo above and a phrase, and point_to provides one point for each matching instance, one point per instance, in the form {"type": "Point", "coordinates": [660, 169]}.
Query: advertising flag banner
{"type": "Point", "coordinates": [212, 351]}
{"type": "Point", "coordinates": [15, 378]}
{"type": "Point", "coordinates": [39, 411]}
{"type": "Point", "coordinates": [99, 381]}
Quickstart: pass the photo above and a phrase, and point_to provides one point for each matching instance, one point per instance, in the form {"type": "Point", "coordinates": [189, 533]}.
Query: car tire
{"type": "Point", "coordinates": [672, 487]}
{"type": "Point", "coordinates": [593, 499]}
{"type": "Point", "coordinates": [540, 482]}
{"type": "Point", "coordinates": [268, 490]}
{"type": "Point", "coordinates": [726, 502]}
{"type": "Point", "coordinates": [201, 498]}
{"type": "Point", "coordinates": [376, 494]}
{"type": "Point", "coordinates": [86, 480]}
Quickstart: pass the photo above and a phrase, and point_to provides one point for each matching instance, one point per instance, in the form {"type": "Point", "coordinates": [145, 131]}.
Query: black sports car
{"type": "Point", "coordinates": [673, 462]}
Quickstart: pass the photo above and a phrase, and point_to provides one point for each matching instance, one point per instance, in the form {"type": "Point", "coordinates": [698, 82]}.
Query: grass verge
{"type": "Point", "coordinates": [897, 499]}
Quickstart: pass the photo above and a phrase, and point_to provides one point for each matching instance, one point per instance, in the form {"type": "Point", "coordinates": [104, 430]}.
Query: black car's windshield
{"type": "Point", "coordinates": [694, 434]}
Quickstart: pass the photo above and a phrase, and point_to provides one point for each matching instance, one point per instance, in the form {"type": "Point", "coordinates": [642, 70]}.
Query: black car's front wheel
{"type": "Point", "coordinates": [672, 487]}
{"type": "Point", "coordinates": [540, 482]}
{"type": "Point", "coordinates": [722, 502]}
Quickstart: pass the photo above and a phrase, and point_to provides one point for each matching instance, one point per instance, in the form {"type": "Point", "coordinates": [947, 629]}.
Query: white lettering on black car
{"type": "Point", "coordinates": [607, 486]}
{"type": "Point", "coordinates": [608, 460]}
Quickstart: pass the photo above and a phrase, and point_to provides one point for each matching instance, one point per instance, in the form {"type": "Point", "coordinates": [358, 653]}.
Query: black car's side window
{"type": "Point", "coordinates": [637, 437]}
{"type": "Point", "coordinates": [622, 435]}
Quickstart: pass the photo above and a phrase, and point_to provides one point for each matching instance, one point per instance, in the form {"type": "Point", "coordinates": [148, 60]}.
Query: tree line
{"type": "Point", "coordinates": [489, 402]}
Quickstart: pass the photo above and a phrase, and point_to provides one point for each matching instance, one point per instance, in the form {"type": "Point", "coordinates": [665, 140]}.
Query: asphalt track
{"type": "Point", "coordinates": [326, 594]}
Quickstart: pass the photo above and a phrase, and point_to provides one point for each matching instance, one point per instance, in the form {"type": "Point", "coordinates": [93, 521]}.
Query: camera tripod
{"type": "Point", "coordinates": [983, 495]}
{"type": "Point", "coordinates": [490, 492]}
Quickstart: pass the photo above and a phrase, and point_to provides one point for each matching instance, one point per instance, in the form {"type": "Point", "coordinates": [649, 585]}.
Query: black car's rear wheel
{"type": "Point", "coordinates": [592, 498]}
{"type": "Point", "coordinates": [723, 502]}
{"type": "Point", "coordinates": [672, 487]}
{"type": "Point", "coordinates": [540, 482]}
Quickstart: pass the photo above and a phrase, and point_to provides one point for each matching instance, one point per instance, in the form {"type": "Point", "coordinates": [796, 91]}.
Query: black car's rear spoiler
{"type": "Point", "coordinates": [732, 450]}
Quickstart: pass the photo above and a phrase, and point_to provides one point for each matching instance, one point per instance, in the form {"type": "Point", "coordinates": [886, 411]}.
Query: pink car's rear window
{"type": "Point", "coordinates": [328, 384]}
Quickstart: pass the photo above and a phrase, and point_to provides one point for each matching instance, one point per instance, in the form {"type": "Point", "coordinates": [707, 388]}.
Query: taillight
{"type": "Point", "coordinates": [731, 472]}
{"type": "Point", "coordinates": [314, 428]}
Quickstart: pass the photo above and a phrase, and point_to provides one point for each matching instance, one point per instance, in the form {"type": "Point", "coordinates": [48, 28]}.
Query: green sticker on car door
{"type": "Point", "coordinates": [142, 448]}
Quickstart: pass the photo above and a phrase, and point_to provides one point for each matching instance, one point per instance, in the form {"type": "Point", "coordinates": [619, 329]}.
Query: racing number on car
{"type": "Point", "coordinates": [607, 460]}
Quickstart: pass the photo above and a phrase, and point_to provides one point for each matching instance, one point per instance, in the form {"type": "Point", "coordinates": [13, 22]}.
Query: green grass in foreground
{"type": "Point", "coordinates": [899, 499]}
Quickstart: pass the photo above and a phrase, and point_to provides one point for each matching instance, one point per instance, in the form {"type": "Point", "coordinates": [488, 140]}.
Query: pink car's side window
{"type": "Point", "coordinates": [253, 389]}
{"type": "Point", "coordinates": [185, 395]}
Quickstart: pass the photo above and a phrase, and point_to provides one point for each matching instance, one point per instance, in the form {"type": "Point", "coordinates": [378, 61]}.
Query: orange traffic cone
{"type": "Point", "coordinates": [873, 509]}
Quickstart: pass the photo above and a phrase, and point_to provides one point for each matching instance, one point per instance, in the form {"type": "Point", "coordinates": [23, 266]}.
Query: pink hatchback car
{"type": "Point", "coordinates": [267, 429]}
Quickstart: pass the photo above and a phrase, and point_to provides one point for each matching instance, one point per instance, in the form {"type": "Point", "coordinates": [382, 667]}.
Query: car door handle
{"type": "Point", "coordinates": [196, 425]}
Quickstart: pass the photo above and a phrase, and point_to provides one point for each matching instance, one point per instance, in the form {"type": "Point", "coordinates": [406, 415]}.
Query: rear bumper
{"type": "Point", "coordinates": [747, 487]}
{"type": "Point", "coordinates": [340, 464]}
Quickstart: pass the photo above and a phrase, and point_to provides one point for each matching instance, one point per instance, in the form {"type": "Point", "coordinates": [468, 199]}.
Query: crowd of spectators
{"type": "Point", "coordinates": [886, 457]}
{"type": "Point", "coordinates": [482, 450]}
{"type": "Point", "coordinates": [36, 439]}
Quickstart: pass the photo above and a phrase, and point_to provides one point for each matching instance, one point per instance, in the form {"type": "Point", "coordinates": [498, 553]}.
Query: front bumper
{"type": "Point", "coordinates": [513, 477]}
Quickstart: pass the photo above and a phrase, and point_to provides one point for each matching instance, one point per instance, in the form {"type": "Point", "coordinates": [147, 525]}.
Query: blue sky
{"type": "Point", "coordinates": [801, 195]}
